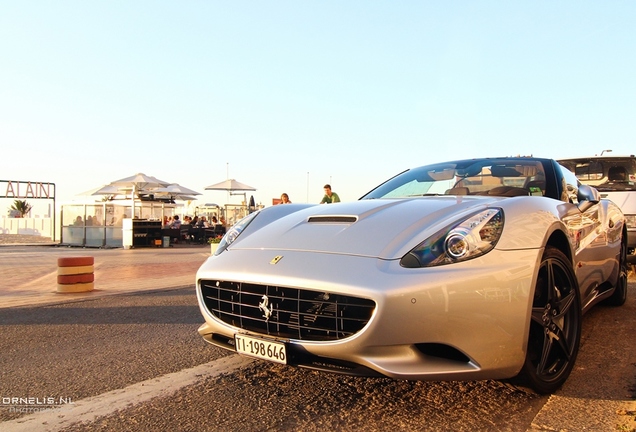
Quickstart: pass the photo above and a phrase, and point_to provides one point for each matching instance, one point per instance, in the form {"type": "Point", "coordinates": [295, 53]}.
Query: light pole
{"type": "Point", "coordinates": [608, 150]}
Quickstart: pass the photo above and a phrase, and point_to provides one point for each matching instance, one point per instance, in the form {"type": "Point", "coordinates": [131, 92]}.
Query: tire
{"type": "Point", "coordinates": [555, 326]}
{"type": "Point", "coordinates": [619, 297]}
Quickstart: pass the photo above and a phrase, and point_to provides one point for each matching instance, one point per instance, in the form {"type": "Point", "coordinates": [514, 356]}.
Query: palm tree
{"type": "Point", "coordinates": [21, 206]}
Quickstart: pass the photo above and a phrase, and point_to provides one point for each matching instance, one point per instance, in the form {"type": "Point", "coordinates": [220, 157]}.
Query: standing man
{"type": "Point", "coordinates": [330, 197]}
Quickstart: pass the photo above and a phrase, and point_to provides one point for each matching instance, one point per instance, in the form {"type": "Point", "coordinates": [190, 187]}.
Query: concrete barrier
{"type": "Point", "coordinates": [75, 274]}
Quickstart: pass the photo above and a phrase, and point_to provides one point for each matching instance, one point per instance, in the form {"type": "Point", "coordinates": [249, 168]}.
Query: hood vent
{"type": "Point", "coordinates": [332, 219]}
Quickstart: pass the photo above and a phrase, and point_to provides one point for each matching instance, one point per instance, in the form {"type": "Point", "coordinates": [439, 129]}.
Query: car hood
{"type": "Point", "coordinates": [382, 228]}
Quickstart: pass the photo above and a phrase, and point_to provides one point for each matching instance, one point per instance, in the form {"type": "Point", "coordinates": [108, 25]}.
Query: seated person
{"type": "Point", "coordinates": [203, 223]}
{"type": "Point", "coordinates": [176, 222]}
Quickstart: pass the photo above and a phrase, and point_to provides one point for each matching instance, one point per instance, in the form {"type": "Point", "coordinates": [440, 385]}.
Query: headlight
{"type": "Point", "coordinates": [630, 220]}
{"type": "Point", "coordinates": [234, 232]}
{"type": "Point", "coordinates": [470, 238]}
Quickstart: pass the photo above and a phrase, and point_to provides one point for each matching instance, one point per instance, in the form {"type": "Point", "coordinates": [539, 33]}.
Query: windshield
{"type": "Point", "coordinates": [605, 174]}
{"type": "Point", "coordinates": [502, 177]}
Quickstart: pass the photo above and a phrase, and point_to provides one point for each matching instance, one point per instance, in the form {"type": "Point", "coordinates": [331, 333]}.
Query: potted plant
{"type": "Point", "coordinates": [214, 244]}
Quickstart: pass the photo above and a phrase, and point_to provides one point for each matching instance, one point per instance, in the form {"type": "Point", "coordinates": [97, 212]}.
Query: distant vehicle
{"type": "Point", "coordinates": [615, 179]}
{"type": "Point", "coordinates": [464, 270]}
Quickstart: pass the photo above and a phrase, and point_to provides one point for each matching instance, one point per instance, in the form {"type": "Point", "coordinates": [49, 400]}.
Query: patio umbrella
{"type": "Point", "coordinates": [173, 192]}
{"type": "Point", "coordinates": [109, 192]}
{"type": "Point", "coordinates": [184, 197]}
{"type": "Point", "coordinates": [172, 196]}
{"type": "Point", "coordinates": [109, 189]}
{"type": "Point", "coordinates": [230, 185]}
{"type": "Point", "coordinates": [175, 189]}
{"type": "Point", "coordinates": [138, 183]}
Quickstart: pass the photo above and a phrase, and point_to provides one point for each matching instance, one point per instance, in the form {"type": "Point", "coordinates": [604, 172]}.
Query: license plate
{"type": "Point", "coordinates": [261, 348]}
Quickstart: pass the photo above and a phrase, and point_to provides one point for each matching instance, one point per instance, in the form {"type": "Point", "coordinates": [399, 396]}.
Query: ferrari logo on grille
{"type": "Point", "coordinates": [276, 259]}
{"type": "Point", "coordinates": [267, 313]}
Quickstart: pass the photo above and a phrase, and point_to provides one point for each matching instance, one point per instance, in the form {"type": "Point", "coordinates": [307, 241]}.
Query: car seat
{"type": "Point", "coordinates": [617, 174]}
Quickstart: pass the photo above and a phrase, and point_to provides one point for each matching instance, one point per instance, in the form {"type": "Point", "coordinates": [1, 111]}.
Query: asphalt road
{"type": "Point", "coordinates": [136, 362]}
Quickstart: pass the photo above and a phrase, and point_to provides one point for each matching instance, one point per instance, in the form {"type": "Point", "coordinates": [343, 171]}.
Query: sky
{"type": "Point", "coordinates": [286, 96]}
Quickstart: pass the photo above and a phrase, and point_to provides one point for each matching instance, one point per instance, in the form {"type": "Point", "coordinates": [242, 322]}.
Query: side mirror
{"type": "Point", "coordinates": [587, 196]}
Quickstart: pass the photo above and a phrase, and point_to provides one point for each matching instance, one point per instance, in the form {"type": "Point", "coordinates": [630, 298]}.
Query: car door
{"type": "Point", "coordinates": [593, 238]}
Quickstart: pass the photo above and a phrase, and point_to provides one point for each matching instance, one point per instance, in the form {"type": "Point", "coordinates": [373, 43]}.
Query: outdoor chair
{"type": "Point", "coordinates": [173, 233]}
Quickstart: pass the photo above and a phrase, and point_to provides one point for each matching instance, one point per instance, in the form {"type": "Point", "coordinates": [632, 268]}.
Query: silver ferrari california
{"type": "Point", "coordinates": [465, 270]}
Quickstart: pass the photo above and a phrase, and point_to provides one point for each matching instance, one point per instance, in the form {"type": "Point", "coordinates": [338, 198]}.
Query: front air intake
{"type": "Point", "coordinates": [332, 219]}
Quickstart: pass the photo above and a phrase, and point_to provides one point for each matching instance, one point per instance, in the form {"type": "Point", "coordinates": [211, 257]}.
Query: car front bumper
{"type": "Point", "coordinates": [462, 321]}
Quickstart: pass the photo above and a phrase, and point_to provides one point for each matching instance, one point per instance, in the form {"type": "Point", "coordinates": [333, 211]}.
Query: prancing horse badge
{"type": "Point", "coordinates": [276, 259]}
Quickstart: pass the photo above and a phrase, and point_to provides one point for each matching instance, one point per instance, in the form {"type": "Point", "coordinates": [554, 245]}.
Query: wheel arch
{"type": "Point", "coordinates": [559, 240]}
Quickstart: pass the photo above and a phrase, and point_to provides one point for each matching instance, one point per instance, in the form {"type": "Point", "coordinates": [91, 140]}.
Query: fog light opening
{"type": "Point", "coordinates": [442, 351]}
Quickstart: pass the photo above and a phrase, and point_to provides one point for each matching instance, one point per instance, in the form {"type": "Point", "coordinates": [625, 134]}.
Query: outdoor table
{"type": "Point", "coordinates": [197, 234]}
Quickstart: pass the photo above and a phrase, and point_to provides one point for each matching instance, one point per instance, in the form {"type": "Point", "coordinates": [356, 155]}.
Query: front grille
{"type": "Point", "coordinates": [294, 313]}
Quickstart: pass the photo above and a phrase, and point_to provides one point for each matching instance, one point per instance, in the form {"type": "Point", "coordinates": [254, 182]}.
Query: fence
{"type": "Point", "coordinates": [27, 226]}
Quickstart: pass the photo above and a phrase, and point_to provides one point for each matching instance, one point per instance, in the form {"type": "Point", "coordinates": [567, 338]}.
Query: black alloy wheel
{"type": "Point", "coordinates": [555, 326]}
{"type": "Point", "coordinates": [619, 297]}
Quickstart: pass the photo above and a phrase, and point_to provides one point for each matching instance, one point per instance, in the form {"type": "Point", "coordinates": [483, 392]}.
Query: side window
{"type": "Point", "coordinates": [570, 185]}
